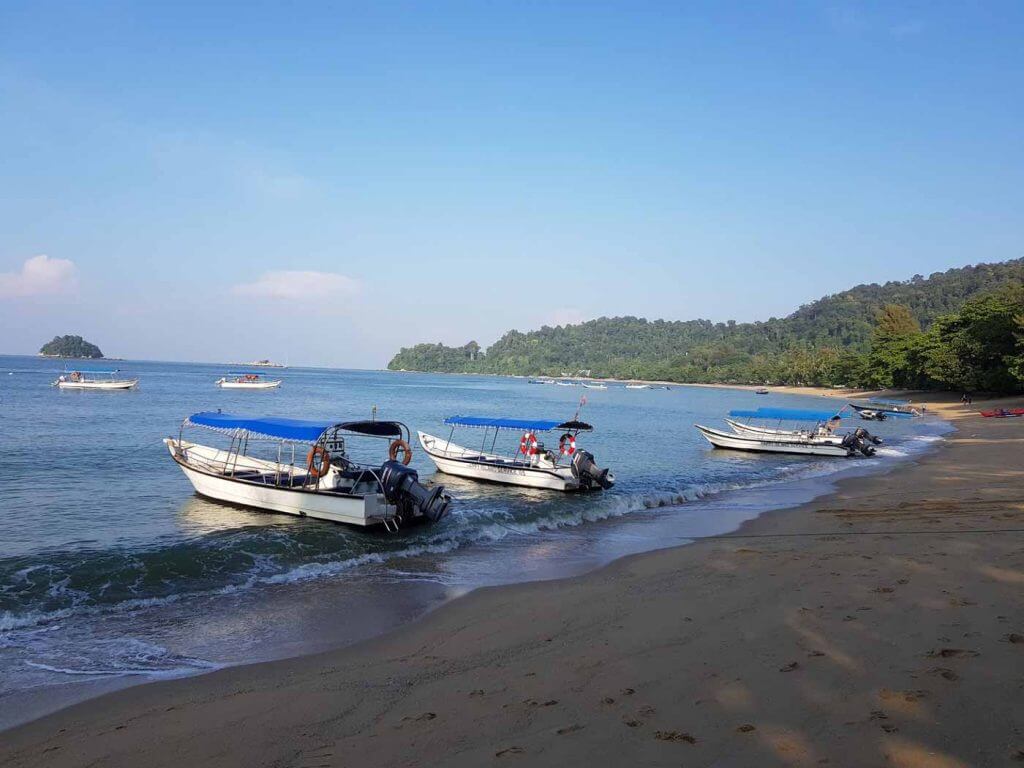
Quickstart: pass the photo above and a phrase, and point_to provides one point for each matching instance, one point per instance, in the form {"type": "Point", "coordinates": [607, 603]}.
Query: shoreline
{"type": "Point", "coordinates": [483, 621]}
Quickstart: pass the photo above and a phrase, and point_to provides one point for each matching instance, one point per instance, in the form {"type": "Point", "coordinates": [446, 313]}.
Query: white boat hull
{"type": "Point", "coordinates": [108, 385]}
{"type": "Point", "coordinates": [248, 384]}
{"type": "Point", "coordinates": [458, 460]}
{"type": "Point", "coordinates": [765, 444]}
{"type": "Point", "coordinates": [769, 433]}
{"type": "Point", "coordinates": [370, 509]}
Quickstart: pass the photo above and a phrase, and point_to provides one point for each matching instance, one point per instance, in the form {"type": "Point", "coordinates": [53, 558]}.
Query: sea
{"type": "Point", "coordinates": [113, 572]}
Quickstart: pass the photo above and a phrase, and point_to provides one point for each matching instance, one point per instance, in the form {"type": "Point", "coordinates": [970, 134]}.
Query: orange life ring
{"type": "Point", "coordinates": [528, 444]}
{"type": "Point", "coordinates": [400, 445]}
{"type": "Point", "coordinates": [567, 439]}
{"type": "Point", "coordinates": [325, 461]}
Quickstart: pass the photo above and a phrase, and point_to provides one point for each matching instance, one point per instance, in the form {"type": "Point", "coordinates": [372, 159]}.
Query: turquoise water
{"type": "Point", "coordinates": [111, 566]}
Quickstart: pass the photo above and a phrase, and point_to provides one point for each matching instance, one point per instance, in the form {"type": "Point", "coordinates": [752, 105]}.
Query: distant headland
{"type": "Point", "coordinates": [70, 346]}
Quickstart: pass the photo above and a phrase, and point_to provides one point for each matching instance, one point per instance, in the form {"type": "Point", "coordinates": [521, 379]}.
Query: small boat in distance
{"type": "Point", "coordinates": [638, 386]}
{"type": "Point", "coordinates": [330, 485]}
{"type": "Point", "coordinates": [761, 391]}
{"type": "Point", "coordinates": [531, 466]}
{"type": "Point", "coordinates": [246, 381]}
{"type": "Point", "coordinates": [88, 380]}
{"type": "Point", "coordinates": [594, 385]}
{"type": "Point", "coordinates": [265, 364]}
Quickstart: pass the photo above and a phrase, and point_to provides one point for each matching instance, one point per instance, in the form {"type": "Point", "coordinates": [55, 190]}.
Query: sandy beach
{"type": "Point", "coordinates": [881, 625]}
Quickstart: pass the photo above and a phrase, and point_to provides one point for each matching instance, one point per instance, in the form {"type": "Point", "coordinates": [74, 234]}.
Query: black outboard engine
{"type": "Point", "coordinates": [402, 488]}
{"type": "Point", "coordinates": [588, 474]}
{"type": "Point", "coordinates": [865, 435]}
{"type": "Point", "coordinates": [861, 440]}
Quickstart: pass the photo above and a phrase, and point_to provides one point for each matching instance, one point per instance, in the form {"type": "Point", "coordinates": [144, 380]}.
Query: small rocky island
{"type": "Point", "coordinates": [70, 346]}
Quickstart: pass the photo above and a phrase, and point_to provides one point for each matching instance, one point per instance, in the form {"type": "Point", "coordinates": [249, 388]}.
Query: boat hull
{"type": "Point", "coordinates": [766, 444]}
{"type": "Point", "coordinates": [367, 510]}
{"type": "Point", "coordinates": [453, 460]}
{"type": "Point", "coordinates": [252, 385]}
{"type": "Point", "coordinates": [104, 385]}
{"type": "Point", "coordinates": [769, 433]}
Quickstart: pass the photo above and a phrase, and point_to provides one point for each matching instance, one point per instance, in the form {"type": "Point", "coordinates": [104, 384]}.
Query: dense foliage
{"type": "Point", "coordinates": [70, 346]}
{"type": "Point", "coordinates": [870, 335]}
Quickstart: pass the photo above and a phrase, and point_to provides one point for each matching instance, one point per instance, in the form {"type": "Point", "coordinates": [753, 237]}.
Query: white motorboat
{"type": "Point", "coordinates": [638, 386]}
{"type": "Point", "coordinates": [330, 485]}
{"type": "Point", "coordinates": [532, 466]}
{"type": "Point", "coordinates": [778, 444]}
{"type": "Point", "coordinates": [590, 385]}
{"type": "Point", "coordinates": [89, 380]}
{"type": "Point", "coordinates": [246, 381]}
{"type": "Point", "coordinates": [817, 439]}
{"type": "Point", "coordinates": [822, 432]}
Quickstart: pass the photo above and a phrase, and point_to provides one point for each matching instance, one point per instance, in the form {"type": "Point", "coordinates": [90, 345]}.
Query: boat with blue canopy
{"type": "Point", "coordinates": [533, 465]}
{"type": "Point", "coordinates": [790, 430]}
{"type": "Point", "coordinates": [93, 379]}
{"type": "Point", "coordinates": [259, 464]}
{"type": "Point", "coordinates": [878, 410]}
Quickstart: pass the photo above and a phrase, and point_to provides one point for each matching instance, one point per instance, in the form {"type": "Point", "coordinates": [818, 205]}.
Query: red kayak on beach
{"type": "Point", "coordinates": [1002, 413]}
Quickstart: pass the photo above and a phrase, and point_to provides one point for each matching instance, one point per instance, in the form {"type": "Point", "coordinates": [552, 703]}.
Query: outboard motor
{"type": "Point", "coordinates": [403, 489]}
{"type": "Point", "coordinates": [865, 435]}
{"type": "Point", "coordinates": [588, 474]}
{"type": "Point", "coordinates": [860, 440]}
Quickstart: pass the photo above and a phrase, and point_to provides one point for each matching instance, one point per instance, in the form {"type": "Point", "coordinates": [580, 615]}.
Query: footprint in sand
{"type": "Point", "coordinates": [944, 673]}
{"type": "Point", "coordinates": [789, 667]}
{"type": "Point", "coordinates": [745, 728]}
{"type": "Point", "coordinates": [675, 736]}
{"type": "Point", "coordinates": [509, 751]}
{"type": "Point", "coordinates": [1014, 638]}
{"type": "Point", "coordinates": [630, 723]}
{"type": "Point", "coordinates": [952, 653]}
{"type": "Point", "coordinates": [908, 696]}
{"type": "Point", "coordinates": [569, 729]}
{"type": "Point", "coordinates": [627, 691]}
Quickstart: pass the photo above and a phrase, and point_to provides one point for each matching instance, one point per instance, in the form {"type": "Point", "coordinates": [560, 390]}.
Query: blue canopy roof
{"type": "Point", "coordinates": [533, 425]}
{"type": "Point", "coordinates": [784, 414]}
{"type": "Point", "coordinates": [268, 426]}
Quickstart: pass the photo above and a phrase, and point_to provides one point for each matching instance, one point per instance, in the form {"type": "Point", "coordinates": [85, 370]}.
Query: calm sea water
{"type": "Point", "coordinates": [110, 566]}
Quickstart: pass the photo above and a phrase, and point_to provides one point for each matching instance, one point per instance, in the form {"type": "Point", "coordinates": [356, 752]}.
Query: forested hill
{"type": "Point", "coordinates": [827, 334]}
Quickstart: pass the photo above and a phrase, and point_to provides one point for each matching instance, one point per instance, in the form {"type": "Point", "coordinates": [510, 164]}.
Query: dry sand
{"type": "Point", "coordinates": [882, 625]}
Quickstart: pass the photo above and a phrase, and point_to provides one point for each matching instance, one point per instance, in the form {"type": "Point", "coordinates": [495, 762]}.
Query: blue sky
{"type": "Point", "coordinates": [327, 183]}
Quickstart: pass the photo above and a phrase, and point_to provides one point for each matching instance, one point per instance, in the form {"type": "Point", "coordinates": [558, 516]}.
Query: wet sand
{"type": "Point", "coordinates": [882, 625]}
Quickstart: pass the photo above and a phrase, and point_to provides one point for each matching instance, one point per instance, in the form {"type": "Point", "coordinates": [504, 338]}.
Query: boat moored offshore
{"type": "Point", "coordinates": [247, 381]}
{"type": "Point", "coordinates": [102, 380]}
{"type": "Point", "coordinates": [329, 485]}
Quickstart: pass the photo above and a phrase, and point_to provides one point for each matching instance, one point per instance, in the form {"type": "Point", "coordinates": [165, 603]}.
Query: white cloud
{"type": "Point", "coordinates": [299, 286]}
{"type": "Point", "coordinates": [39, 276]}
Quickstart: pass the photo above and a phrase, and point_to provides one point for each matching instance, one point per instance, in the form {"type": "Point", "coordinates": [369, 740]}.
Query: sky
{"type": "Point", "coordinates": [322, 184]}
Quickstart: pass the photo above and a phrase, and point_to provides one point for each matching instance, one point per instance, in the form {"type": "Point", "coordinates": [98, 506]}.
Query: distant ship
{"type": "Point", "coordinates": [265, 364]}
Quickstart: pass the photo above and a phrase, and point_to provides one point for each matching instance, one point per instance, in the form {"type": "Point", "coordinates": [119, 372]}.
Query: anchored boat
{"type": "Point", "coordinates": [815, 436]}
{"type": "Point", "coordinates": [532, 466]}
{"type": "Point", "coordinates": [89, 380]}
{"type": "Point", "coordinates": [329, 485]}
{"type": "Point", "coordinates": [246, 381]}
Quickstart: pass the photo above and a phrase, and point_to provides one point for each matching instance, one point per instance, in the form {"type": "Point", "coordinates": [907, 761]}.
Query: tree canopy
{"type": "Point", "coordinates": [70, 346]}
{"type": "Point", "coordinates": [959, 328]}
